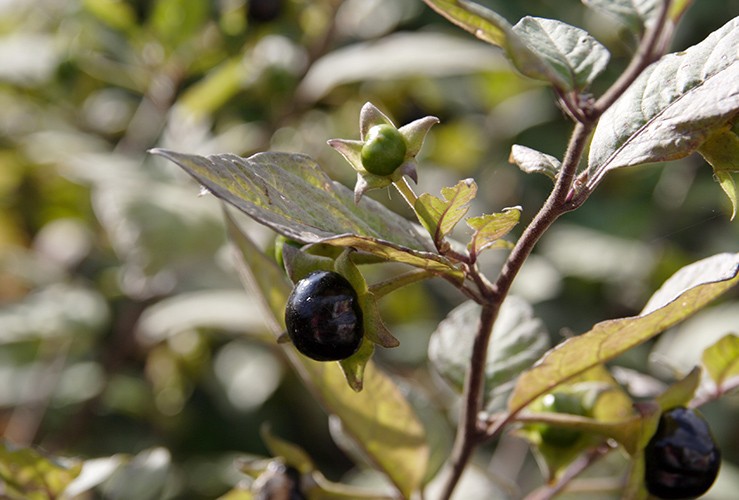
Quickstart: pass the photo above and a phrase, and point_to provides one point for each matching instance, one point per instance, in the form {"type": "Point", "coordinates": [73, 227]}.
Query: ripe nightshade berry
{"type": "Point", "coordinates": [323, 317]}
{"type": "Point", "coordinates": [384, 150]}
{"type": "Point", "coordinates": [682, 458]}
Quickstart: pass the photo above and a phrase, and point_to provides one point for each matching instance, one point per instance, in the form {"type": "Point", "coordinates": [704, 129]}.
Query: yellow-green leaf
{"type": "Point", "coordinates": [681, 296]}
{"type": "Point", "coordinates": [721, 361]}
{"type": "Point", "coordinates": [721, 151]}
{"type": "Point", "coordinates": [490, 228]}
{"type": "Point", "coordinates": [440, 215]}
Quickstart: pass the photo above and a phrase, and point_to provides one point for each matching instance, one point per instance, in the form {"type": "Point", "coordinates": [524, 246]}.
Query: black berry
{"type": "Point", "coordinates": [323, 317]}
{"type": "Point", "coordinates": [682, 458]}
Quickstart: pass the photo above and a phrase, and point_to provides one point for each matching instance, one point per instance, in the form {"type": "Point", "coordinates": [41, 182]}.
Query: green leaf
{"type": "Point", "coordinates": [634, 14]}
{"type": "Point", "coordinates": [685, 293]}
{"type": "Point", "coordinates": [496, 30]}
{"type": "Point", "coordinates": [721, 361]}
{"type": "Point", "coordinates": [379, 418]}
{"type": "Point", "coordinates": [28, 474]}
{"type": "Point", "coordinates": [681, 392]}
{"type": "Point", "coordinates": [212, 92]}
{"type": "Point", "coordinates": [570, 53]}
{"type": "Point", "coordinates": [176, 21]}
{"type": "Point", "coordinates": [672, 108]}
{"type": "Point", "coordinates": [490, 228]}
{"type": "Point", "coordinates": [721, 150]}
{"type": "Point", "coordinates": [117, 15]}
{"type": "Point", "coordinates": [440, 215]}
{"type": "Point", "coordinates": [292, 195]}
{"type": "Point", "coordinates": [533, 161]}
{"type": "Point", "coordinates": [481, 22]}
{"type": "Point", "coordinates": [518, 340]}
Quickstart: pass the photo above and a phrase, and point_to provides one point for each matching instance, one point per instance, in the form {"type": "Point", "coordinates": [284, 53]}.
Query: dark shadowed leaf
{"type": "Point", "coordinates": [533, 161]}
{"type": "Point", "coordinates": [440, 215]}
{"type": "Point", "coordinates": [569, 52]}
{"type": "Point", "coordinates": [519, 338]}
{"type": "Point", "coordinates": [379, 418]}
{"type": "Point", "coordinates": [685, 293]}
{"type": "Point", "coordinates": [672, 108]}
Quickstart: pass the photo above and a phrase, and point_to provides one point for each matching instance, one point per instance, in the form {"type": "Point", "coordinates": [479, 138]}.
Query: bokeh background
{"type": "Point", "coordinates": [124, 333]}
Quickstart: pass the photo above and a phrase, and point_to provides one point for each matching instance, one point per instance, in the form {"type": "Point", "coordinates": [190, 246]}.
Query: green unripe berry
{"type": "Point", "coordinates": [384, 150]}
{"type": "Point", "coordinates": [560, 402]}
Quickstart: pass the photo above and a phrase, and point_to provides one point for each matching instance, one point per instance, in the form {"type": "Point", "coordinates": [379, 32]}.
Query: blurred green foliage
{"type": "Point", "coordinates": [125, 335]}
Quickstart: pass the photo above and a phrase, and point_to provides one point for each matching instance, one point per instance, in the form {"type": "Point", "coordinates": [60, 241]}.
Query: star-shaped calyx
{"type": "Point", "coordinates": [385, 153]}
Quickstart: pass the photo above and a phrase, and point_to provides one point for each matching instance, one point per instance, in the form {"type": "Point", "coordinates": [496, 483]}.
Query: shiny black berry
{"type": "Point", "coordinates": [682, 458]}
{"type": "Point", "coordinates": [323, 317]}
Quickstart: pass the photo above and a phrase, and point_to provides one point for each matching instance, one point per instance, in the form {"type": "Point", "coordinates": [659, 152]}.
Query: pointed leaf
{"type": "Point", "coordinates": [490, 228]}
{"type": "Point", "coordinates": [721, 361]}
{"type": "Point", "coordinates": [292, 195]}
{"type": "Point", "coordinates": [721, 150]}
{"type": "Point", "coordinates": [476, 19]}
{"type": "Point", "coordinates": [685, 293]}
{"type": "Point", "coordinates": [681, 392]}
{"type": "Point", "coordinates": [439, 216]}
{"type": "Point", "coordinates": [533, 161]}
{"type": "Point", "coordinates": [379, 418]}
{"type": "Point", "coordinates": [569, 52]}
{"type": "Point", "coordinates": [496, 30]}
{"type": "Point", "coordinates": [519, 338]}
{"type": "Point", "coordinates": [634, 14]}
{"type": "Point", "coordinates": [672, 108]}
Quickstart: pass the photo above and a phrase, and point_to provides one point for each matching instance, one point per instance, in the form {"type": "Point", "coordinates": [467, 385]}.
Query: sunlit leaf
{"type": "Point", "coordinates": [672, 108]}
{"type": "Point", "coordinates": [379, 418]}
{"type": "Point", "coordinates": [721, 361]}
{"type": "Point", "coordinates": [569, 52]}
{"type": "Point", "coordinates": [440, 215]}
{"type": "Point", "coordinates": [490, 228]}
{"type": "Point", "coordinates": [681, 296]}
{"type": "Point", "coordinates": [212, 92]}
{"type": "Point", "coordinates": [28, 474]}
{"type": "Point", "coordinates": [518, 339]}
{"type": "Point", "coordinates": [721, 150]}
{"type": "Point", "coordinates": [292, 195]}
{"type": "Point", "coordinates": [478, 20]}
{"type": "Point", "coordinates": [533, 161]}
{"type": "Point", "coordinates": [496, 30]}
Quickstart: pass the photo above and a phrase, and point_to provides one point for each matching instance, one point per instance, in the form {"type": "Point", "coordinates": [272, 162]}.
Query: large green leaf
{"type": "Point", "coordinates": [672, 108]}
{"type": "Point", "coordinates": [379, 418]}
{"type": "Point", "coordinates": [518, 339]}
{"type": "Point", "coordinates": [685, 293]}
{"type": "Point", "coordinates": [570, 53]}
{"type": "Point", "coordinates": [292, 195]}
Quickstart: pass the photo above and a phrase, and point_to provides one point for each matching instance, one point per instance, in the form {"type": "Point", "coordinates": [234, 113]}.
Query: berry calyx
{"type": "Point", "coordinates": [682, 459]}
{"type": "Point", "coordinates": [384, 150]}
{"type": "Point", "coordinates": [323, 317]}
